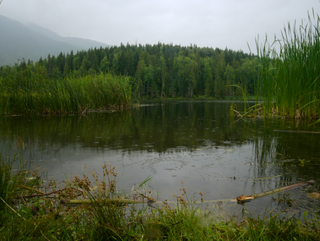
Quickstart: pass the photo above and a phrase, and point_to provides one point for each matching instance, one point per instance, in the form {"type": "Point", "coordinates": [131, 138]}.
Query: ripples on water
{"type": "Point", "coordinates": [173, 141]}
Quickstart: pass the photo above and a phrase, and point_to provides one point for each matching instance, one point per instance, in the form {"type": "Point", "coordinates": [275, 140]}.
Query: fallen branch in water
{"type": "Point", "coordinates": [300, 184]}
{"type": "Point", "coordinates": [30, 188]}
{"type": "Point", "coordinates": [315, 132]}
{"type": "Point", "coordinates": [46, 194]}
{"type": "Point", "coordinates": [239, 199]}
{"type": "Point", "coordinates": [108, 201]}
{"type": "Point", "coordinates": [244, 198]}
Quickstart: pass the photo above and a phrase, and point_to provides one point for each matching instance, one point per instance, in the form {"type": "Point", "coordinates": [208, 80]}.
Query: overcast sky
{"type": "Point", "coordinates": [212, 23]}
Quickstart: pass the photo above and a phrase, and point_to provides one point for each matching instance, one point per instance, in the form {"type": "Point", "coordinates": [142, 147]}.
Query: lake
{"type": "Point", "coordinates": [194, 142]}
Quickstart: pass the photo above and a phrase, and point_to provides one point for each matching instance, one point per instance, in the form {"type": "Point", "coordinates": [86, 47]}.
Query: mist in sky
{"type": "Point", "coordinates": [206, 23]}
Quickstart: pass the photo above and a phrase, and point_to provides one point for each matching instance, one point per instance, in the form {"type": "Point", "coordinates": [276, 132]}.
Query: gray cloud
{"type": "Point", "coordinates": [213, 23]}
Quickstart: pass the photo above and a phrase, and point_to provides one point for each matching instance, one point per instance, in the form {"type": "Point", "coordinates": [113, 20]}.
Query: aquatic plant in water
{"type": "Point", "coordinates": [289, 79]}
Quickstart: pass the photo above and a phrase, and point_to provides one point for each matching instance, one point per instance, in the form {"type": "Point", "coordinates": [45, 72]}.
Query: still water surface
{"type": "Point", "coordinates": [190, 141]}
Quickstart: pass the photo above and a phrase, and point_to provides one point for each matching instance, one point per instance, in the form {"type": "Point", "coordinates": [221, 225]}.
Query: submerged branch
{"type": "Point", "coordinates": [109, 201]}
{"type": "Point", "coordinates": [42, 193]}
{"type": "Point", "coordinates": [46, 194]}
{"type": "Point", "coordinates": [315, 132]}
{"type": "Point", "coordinates": [300, 184]}
{"type": "Point", "coordinates": [239, 199]}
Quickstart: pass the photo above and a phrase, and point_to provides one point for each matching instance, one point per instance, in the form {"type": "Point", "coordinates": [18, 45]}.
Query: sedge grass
{"type": "Point", "coordinates": [289, 80]}
{"type": "Point", "coordinates": [28, 91]}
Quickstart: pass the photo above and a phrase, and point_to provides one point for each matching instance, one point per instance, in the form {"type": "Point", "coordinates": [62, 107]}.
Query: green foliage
{"type": "Point", "coordinates": [219, 74]}
{"type": "Point", "coordinates": [159, 70]}
{"type": "Point", "coordinates": [28, 90]}
{"type": "Point", "coordinates": [208, 78]}
{"type": "Point", "coordinates": [5, 178]}
{"type": "Point", "coordinates": [289, 81]}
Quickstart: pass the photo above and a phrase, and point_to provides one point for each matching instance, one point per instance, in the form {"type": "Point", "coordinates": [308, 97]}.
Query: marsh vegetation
{"type": "Point", "coordinates": [31, 208]}
{"type": "Point", "coordinates": [27, 90]}
{"type": "Point", "coordinates": [289, 74]}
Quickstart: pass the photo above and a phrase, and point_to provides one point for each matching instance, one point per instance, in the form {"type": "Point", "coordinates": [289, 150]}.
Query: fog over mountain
{"type": "Point", "coordinates": [80, 42]}
{"type": "Point", "coordinates": [31, 41]}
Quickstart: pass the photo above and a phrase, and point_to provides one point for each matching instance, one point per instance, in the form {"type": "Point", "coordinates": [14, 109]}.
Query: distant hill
{"type": "Point", "coordinates": [18, 41]}
{"type": "Point", "coordinates": [80, 42]}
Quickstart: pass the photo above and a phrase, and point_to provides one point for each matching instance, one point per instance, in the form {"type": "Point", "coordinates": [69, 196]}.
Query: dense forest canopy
{"type": "Point", "coordinates": [159, 70]}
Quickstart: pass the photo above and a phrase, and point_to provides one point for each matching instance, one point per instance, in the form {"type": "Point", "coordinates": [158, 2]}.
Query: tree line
{"type": "Point", "coordinates": [159, 70]}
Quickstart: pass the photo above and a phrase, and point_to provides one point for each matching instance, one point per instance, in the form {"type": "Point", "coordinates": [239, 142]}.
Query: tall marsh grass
{"type": "Point", "coordinates": [289, 79]}
{"type": "Point", "coordinates": [28, 90]}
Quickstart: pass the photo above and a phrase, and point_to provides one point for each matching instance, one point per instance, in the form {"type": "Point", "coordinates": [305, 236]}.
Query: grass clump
{"type": "Point", "coordinates": [289, 80]}
{"type": "Point", "coordinates": [32, 209]}
{"type": "Point", "coordinates": [28, 91]}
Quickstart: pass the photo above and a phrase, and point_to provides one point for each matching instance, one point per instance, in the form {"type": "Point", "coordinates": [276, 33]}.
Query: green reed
{"type": "Point", "coordinates": [289, 80]}
{"type": "Point", "coordinates": [5, 178]}
{"type": "Point", "coordinates": [28, 91]}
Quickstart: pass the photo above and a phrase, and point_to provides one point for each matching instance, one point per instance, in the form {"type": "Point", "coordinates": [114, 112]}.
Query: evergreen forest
{"type": "Point", "coordinates": [156, 71]}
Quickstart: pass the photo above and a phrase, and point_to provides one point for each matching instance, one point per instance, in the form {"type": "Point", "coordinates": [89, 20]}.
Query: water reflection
{"type": "Point", "coordinates": [173, 141]}
{"type": "Point", "coordinates": [156, 128]}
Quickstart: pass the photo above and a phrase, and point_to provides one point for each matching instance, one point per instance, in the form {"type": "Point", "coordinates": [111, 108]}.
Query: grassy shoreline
{"type": "Point", "coordinates": [28, 91]}
{"type": "Point", "coordinates": [31, 209]}
{"type": "Point", "coordinates": [226, 98]}
{"type": "Point", "coordinates": [289, 80]}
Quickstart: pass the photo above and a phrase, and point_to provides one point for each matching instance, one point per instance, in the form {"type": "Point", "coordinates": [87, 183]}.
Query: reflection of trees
{"type": "Point", "coordinates": [169, 127]}
{"type": "Point", "coordinates": [156, 128]}
{"type": "Point", "coordinates": [164, 127]}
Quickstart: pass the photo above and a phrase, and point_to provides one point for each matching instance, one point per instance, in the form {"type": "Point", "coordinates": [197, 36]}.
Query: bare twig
{"type": "Point", "coordinates": [315, 132]}
{"type": "Point", "coordinates": [47, 194]}
{"type": "Point", "coordinates": [84, 111]}
{"type": "Point", "coordinates": [237, 112]}
{"type": "Point", "coordinates": [44, 236]}
{"type": "Point", "coordinates": [12, 209]}
{"type": "Point", "coordinates": [31, 189]}
{"type": "Point", "coordinates": [20, 216]}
